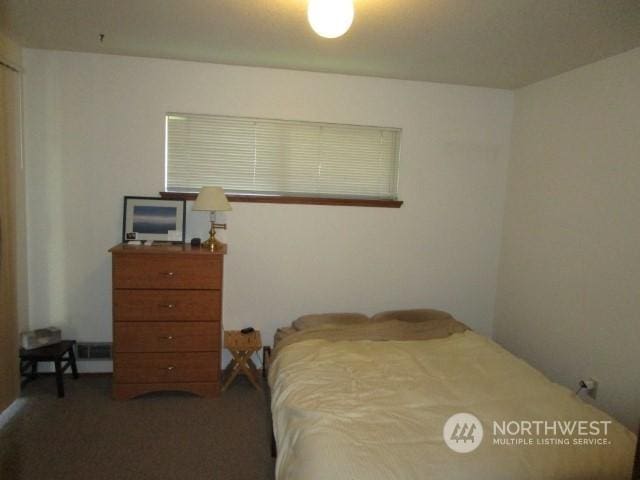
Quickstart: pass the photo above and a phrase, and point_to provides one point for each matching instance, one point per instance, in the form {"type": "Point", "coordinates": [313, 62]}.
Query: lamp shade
{"type": "Point", "coordinates": [211, 199]}
{"type": "Point", "coordinates": [330, 18]}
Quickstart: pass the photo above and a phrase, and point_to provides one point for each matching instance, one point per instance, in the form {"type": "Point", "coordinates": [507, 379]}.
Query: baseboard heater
{"type": "Point", "coordinates": [94, 351]}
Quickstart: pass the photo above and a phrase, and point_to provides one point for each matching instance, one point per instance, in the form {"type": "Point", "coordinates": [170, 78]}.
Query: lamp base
{"type": "Point", "coordinates": [212, 243]}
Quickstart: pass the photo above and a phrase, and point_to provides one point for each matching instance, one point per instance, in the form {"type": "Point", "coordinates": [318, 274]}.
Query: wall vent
{"type": "Point", "coordinates": [94, 351]}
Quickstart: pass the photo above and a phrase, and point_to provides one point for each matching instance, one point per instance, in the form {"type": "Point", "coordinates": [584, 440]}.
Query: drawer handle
{"type": "Point", "coordinates": [168, 305]}
{"type": "Point", "coordinates": [168, 337]}
{"type": "Point", "coordinates": [168, 274]}
{"type": "Point", "coordinates": [170, 368]}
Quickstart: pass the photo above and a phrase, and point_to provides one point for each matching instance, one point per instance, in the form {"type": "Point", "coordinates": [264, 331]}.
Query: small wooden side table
{"type": "Point", "coordinates": [241, 346]}
{"type": "Point", "coordinates": [51, 353]}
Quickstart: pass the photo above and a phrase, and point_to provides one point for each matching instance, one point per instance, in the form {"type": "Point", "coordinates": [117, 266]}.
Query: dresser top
{"type": "Point", "coordinates": [159, 249]}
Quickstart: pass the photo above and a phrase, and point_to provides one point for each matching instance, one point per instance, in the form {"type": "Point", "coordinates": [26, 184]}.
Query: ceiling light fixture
{"type": "Point", "coordinates": [330, 18]}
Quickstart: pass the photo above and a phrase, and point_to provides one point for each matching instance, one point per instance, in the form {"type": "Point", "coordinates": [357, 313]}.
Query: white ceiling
{"type": "Point", "coordinates": [493, 43]}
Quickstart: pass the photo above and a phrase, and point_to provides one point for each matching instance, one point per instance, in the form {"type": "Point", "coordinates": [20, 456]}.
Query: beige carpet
{"type": "Point", "coordinates": [88, 436]}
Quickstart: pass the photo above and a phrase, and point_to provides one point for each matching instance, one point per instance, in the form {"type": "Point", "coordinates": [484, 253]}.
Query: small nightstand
{"type": "Point", "coordinates": [51, 353]}
{"type": "Point", "coordinates": [241, 346]}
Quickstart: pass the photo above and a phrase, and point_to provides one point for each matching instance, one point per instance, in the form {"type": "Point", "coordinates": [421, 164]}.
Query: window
{"type": "Point", "coordinates": [277, 157]}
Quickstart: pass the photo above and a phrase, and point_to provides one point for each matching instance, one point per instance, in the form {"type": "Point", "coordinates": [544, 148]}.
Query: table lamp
{"type": "Point", "coordinates": [212, 199]}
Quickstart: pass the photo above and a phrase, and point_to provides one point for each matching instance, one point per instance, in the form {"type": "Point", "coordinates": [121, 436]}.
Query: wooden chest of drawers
{"type": "Point", "coordinates": [167, 316]}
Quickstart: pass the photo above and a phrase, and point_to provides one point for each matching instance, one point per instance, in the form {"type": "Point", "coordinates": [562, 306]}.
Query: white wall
{"type": "Point", "coordinates": [569, 290]}
{"type": "Point", "coordinates": [94, 133]}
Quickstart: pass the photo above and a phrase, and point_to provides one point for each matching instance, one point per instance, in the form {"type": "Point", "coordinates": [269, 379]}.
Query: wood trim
{"type": "Point", "coordinates": [10, 204]}
{"type": "Point", "coordinates": [10, 54]}
{"type": "Point", "coordinates": [288, 199]}
{"type": "Point", "coordinates": [636, 466]}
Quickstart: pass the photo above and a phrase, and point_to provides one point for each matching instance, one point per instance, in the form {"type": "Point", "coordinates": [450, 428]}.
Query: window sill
{"type": "Point", "coordinates": [349, 202]}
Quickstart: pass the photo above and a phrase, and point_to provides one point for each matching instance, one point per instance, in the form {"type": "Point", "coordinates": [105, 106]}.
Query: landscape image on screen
{"type": "Point", "coordinates": [150, 219]}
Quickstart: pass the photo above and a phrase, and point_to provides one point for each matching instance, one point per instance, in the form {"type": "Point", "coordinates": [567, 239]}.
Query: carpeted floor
{"type": "Point", "coordinates": [89, 436]}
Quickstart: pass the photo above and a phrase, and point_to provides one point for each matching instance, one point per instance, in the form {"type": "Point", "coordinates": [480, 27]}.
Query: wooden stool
{"type": "Point", "coordinates": [241, 346]}
{"type": "Point", "coordinates": [50, 353]}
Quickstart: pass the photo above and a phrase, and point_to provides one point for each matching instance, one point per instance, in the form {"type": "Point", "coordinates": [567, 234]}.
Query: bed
{"type": "Point", "coordinates": [359, 398]}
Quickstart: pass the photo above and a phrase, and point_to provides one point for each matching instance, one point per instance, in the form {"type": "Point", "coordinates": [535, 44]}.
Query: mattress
{"type": "Point", "coordinates": [363, 409]}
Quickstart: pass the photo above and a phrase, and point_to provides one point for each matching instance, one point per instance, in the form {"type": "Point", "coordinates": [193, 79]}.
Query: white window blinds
{"type": "Point", "coordinates": [261, 156]}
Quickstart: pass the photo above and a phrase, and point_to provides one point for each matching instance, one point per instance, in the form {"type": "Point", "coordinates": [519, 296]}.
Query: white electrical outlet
{"type": "Point", "coordinates": [590, 385]}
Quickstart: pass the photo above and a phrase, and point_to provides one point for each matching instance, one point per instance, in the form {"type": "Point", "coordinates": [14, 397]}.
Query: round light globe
{"type": "Point", "coordinates": [330, 18]}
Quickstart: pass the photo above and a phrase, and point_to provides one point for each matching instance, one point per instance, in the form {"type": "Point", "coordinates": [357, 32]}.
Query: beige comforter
{"type": "Point", "coordinates": [362, 409]}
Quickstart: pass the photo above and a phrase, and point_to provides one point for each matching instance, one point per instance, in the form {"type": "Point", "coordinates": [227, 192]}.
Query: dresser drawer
{"type": "Point", "coordinates": [166, 367]}
{"type": "Point", "coordinates": [167, 337]}
{"type": "Point", "coordinates": [196, 272]}
{"type": "Point", "coordinates": [166, 305]}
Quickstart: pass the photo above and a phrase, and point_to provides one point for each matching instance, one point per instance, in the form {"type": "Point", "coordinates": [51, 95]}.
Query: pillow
{"type": "Point", "coordinates": [329, 320]}
{"type": "Point", "coordinates": [416, 315]}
